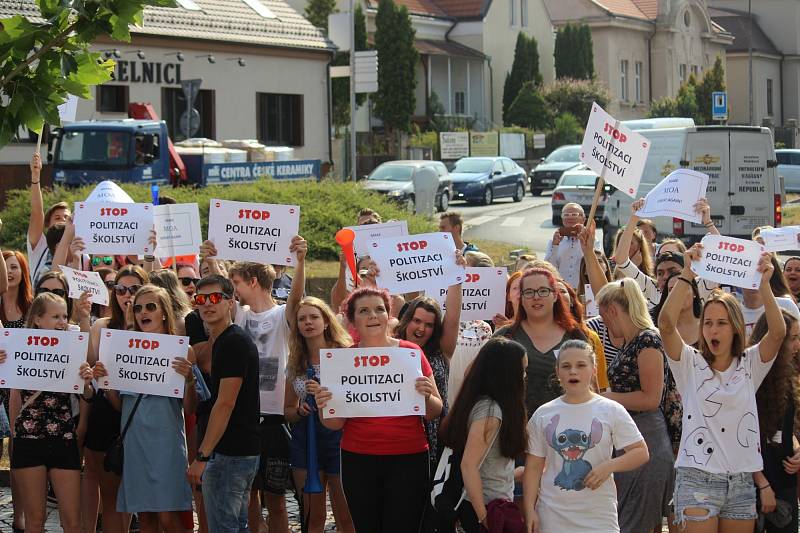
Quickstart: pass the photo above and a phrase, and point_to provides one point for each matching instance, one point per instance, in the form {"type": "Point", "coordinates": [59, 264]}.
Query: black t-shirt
{"type": "Point", "coordinates": [194, 328]}
{"type": "Point", "coordinates": [774, 454]}
{"type": "Point", "coordinates": [234, 355]}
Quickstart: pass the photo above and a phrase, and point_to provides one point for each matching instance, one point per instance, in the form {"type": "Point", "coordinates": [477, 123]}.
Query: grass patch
{"type": "Point", "coordinates": [791, 215]}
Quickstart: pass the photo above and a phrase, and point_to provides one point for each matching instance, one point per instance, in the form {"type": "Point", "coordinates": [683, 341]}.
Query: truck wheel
{"type": "Point", "coordinates": [444, 202]}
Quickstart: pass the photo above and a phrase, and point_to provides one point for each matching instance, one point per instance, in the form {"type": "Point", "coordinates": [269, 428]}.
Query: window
{"type": "Point", "coordinates": [497, 167]}
{"type": "Point", "coordinates": [279, 119]}
{"type": "Point", "coordinates": [173, 105]}
{"type": "Point", "coordinates": [112, 98]}
{"type": "Point", "coordinates": [769, 98]}
{"type": "Point", "coordinates": [637, 83]}
{"type": "Point", "coordinates": [682, 72]}
{"type": "Point", "coordinates": [512, 4]}
{"type": "Point", "coordinates": [696, 71]}
{"type": "Point", "coordinates": [523, 12]}
{"type": "Point", "coordinates": [509, 166]}
{"type": "Point", "coordinates": [623, 80]}
{"type": "Point", "coordinates": [460, 103]}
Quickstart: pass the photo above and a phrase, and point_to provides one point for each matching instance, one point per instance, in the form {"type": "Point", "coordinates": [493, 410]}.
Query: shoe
{"type": "Point", "coordinates": [134, 524]}
{"type": "Point", "coordinates": [52, 501]}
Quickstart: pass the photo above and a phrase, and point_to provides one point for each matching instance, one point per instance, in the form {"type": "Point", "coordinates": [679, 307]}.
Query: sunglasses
{"type": "Point", "coordinates": [150, 306]}
{"type": "Point", "coordinates": [107, 260]}
{"type": "Point", "coordinates": [189, 281]}
{"type": "Point", "coordinates": [214, 298]}
{"type": "Point", "coordinates": [57, 292]}
{"type": "Point", "coordinates": [122, 289]}
{"type": "Point", "coordinates": [110, 284]}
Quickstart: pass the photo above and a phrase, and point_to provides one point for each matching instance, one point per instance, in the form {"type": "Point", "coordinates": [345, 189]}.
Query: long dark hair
{"type": "Point", "coordinates": [496, 373]}
{"type": "Point", "coordinates": [432, 306]}
{"type": "Point", "coordinates": [777, 281]}
{"type": "Point", "coordinates": [697, 303]}
{"type": "Point", "coordinates": [117, 320]}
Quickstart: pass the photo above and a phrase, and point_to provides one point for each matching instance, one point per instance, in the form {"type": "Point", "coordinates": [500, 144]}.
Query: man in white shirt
{"type": "Point", "coordinates": [564, 249]}
{"type": "Point", "coordinates": [39, 257]}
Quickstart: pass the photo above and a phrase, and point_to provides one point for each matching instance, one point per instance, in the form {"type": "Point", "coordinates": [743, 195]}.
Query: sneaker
{"type": "Point", "coordinates": [134, 524]}
{"type": "Point", "coordinates": [52, 501]}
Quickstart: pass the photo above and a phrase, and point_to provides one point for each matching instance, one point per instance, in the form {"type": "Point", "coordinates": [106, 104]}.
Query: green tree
{"type": "Point", "coordinates": [664, 107]}
{"type": "Point", "coordinates": [529, 109]}
{"type": "Point", "coordinates": [524, 69]}
{"type": "Point", "coordinates": [397, 67]}
{"type": "Point", "coordinates": [566, 130]}
{"type": "Point", "coordinates": [713, 80]}
{"type": "Point", "coordinates": [567, 95]}
{"type": "Point", "coordinates": [573, 54]}
{"type": "Point", "coordinates": [317, 12]}
{"type": "Point", "coordinates": [436, 112]}
{"type": "Point", "coordinates": [40, 64]}
{"type": "Point", "coordinates": [686, 101]}
{"type": "Point", "coordinates": [586, 52]}
{"type": "Point", "coordinates": [340, 87]}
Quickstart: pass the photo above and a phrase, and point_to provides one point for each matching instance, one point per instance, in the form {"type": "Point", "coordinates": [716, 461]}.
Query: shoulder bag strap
{"type": "Point", "coordinates": [30, 400]}
{"type": "Point", "coordinates": [130, 417]}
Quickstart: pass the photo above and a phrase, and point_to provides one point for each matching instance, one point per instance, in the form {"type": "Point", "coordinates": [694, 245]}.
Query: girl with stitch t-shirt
{"type": "Point", "coordinates": [568, 484]}
{"type": "Point", "coordinates": [719, 453]}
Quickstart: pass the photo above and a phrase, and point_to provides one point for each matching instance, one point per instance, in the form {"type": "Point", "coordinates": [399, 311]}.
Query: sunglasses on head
{"type": "Point", "coordinates": [214, 298]}
{"type": "Point", "coordinates": [57, 292]}
{"type": "Point", "coordinates": [122, 289]}
{"type": "Point", "coordinates": [150, 306]}
{"type": "Point", "coordinates": [107, 260]}
{"type": "Point", "coordinates": [189, 281]}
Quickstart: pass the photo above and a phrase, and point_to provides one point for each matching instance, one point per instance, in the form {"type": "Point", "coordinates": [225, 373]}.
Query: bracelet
{"type": "Point", "coordinates": [35, 182]}
{"type": "Point", "coordinates": [149, 258]}
{"type": "Point", "coordinates": [765, 487]}
{"type": "Point", "coordinates": [681, 278]}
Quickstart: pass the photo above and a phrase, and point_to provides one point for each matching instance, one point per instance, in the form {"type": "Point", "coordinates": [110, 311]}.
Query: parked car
{"type": "Point", "coordinates": [545, 175]}
{"type": "Point", "coordinates": [394, 179]}
{"type": "Point", "coordinates": [483, 179]}
{"type": "Point", "coordinates": [575, 186]}
{"type": "Point", "coordinates": [789, 168]}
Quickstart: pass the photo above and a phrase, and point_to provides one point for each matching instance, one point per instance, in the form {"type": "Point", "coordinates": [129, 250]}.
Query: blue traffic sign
{"type": "Point", "coordinates": [719, 105]}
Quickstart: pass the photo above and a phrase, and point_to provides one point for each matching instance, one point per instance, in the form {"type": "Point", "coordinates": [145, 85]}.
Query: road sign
{"type": "Point", "coordinates": [366, 69]}
{"type": "Point", "coordinates": [719, 105]}
{"type": "Point", "coordinates": [189, 128]}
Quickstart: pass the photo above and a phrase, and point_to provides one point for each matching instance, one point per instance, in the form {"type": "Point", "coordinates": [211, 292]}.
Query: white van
{"type": "Point", "coordinates": [744, 188]}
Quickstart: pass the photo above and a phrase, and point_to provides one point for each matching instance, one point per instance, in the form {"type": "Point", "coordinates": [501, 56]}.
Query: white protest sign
{"type": "Point", "coordinates": [114, 229]}
{"type": "Point", "coordinates": [177, 229]}
{"type": "Point", "coordinates": [142, 362]}
{"type": "Point", "coordinates": [80, 281]}
{"type": "Point", "coordinates": [729, 261]}
{"type": "Point", "coordinates": [676, 195]}
{"type": "Point", "coordinates": [108, 191]}
{"type": "Point", "coordinates": [367, 382]}
{"type": "Point", "coordinates": [69, 109]}
{"type": "Point", "coordinates": [483, 293]}
{"type": "Point", "coordinates": [590, 302]}
{"type": "Point", "coordinates": [366, 234]}
{"type": "Point", "coordinates": [781, 239]}
{"type": "Point", "coordinates": [616, 153]}
{"type": "Point", "coordinates": [245, 231]}
{"type": "Point", "coordinates": [46, 360]}
{"type": "Point", "coordinates": [425, 262]}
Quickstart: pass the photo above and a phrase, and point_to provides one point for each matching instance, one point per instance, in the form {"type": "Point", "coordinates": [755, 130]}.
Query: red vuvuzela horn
{"type": "Point", "coordinates": [345, 238]}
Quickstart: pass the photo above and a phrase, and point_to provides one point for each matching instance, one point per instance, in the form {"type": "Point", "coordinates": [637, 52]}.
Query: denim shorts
{"type": "Point", "coordinates": [729, 496]}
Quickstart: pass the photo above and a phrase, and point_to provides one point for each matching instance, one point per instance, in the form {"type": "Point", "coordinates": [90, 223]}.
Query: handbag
{"type": "Point", "coordinates": [115, 453]}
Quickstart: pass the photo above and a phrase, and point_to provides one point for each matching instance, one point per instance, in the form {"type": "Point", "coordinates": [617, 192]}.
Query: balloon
{"type": "Point", "coordinates": [345, 238]}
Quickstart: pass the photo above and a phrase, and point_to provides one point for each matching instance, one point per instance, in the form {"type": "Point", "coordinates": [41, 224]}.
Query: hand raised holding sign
{"type": "Point", "coordinates": [299, 246]}
{"type": "Point", "coordinates": [83, 307]}
{"type": "Point", "coordinates": [425, 386]}
{"type": "Point", "coordinates": [182, 366]}
{"type": "Point", "coordinates": [765, 267]}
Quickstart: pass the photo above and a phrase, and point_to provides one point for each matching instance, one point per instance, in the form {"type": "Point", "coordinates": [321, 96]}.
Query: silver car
{"type": "Point", "coordinates": [789, 168]}
{"type": "Point", "coordinates": [575, 186]}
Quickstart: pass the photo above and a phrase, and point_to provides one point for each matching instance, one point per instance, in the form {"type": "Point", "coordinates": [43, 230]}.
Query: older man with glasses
{"type": "Point", "coordinates": [564, 249]}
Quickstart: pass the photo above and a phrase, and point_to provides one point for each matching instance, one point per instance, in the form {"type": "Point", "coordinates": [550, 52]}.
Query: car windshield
{"type": "Point", "coordinates": [473, 166]}
{"type": "Point", "coordinates": [392, 173]}
{"type": "Point", "coordinates": [565, 154]}
{"type": "Point", "coordinates": [578, 180]}
{"type": "Point", "coordinates": [94, 149]}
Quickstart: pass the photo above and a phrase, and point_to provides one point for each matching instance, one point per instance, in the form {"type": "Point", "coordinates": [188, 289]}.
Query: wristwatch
{"type": "Point", "coordinates": [201, 458]}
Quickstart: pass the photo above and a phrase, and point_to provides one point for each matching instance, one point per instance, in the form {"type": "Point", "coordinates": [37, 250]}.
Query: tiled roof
{"type": "Point", "coordinates": [445, 48]}
{"type": "Point", "coordinates": [622, 8]}
{"type": "Point", "coordinates": [737, 24]}
{"type": "Point", "coordinates": [648, 7]}
{"type": "Point", "coordinates": [218, 20]}
{"type": "Point", "coordinates": [458, 9]}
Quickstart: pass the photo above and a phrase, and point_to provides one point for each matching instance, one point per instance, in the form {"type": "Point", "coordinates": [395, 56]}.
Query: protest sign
{"type": "Point", "coordinates": [781, 239]}
{"type": "Point", "coordinates": [368, 233]}
{"type": "Point", "coordinates": [616, 153]}
{"type": "Point", "coordinates": [108, 191]}
{"type": "Point", "coordinates": [46, 360]}
{"type": "Point", "coordinates": [246, 231]}
{"type": "Point", "coordinates": [367, 382]}
{"type": "Point", "coordinates": [676, 195]}
{"type": "Point", "coordinates": [590, 303]}
{"type": "Point", "coordinates": [80, 281]}
{"type": "Point", "coordinates": [142, 362]}
{"type": "Point", "coordinates": [177, 229]}
{"type": "Point", "coordinates": [483, 293]}
{"type": "Point", "coordinates": [425, 262]}
{"type": "Point", "coordinates": [729, 261]}
{"type": "Point", "coordinates": [114, 228]}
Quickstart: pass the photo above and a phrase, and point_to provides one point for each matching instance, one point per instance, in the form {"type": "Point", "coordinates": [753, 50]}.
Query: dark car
{"type": "Point", "coordinates": [394, 179]}
{"type": "Point", "coordinates": [546, 174]}
{"type": "Point", "coordinates": [482, 179]}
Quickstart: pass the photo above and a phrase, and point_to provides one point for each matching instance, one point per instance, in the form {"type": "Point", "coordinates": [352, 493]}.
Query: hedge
{"type": "Point", "coordinates": [325, 207]}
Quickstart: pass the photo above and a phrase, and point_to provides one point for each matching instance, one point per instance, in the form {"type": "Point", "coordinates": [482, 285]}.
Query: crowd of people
{"type": "Point", "coordinates": [678, 402]}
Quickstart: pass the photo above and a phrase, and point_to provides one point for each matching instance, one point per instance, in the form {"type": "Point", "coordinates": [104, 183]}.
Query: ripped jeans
{"type": "Point", "coordinates": [730, 496]}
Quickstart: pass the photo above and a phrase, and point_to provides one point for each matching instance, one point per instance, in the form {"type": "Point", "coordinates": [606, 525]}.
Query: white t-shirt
{"type": "Point", "coordinates": [573, 438]}
{"type": "Point", "coordinates": [751, 316]}
{"type": "Point", "coordinates": [270, 331]}
{"type": "Point", "coordinates": [720, 418]}
{"type": "Point", "coordinates": [39, 258]}
{"type": "Point", "coordinates": [566, 257]}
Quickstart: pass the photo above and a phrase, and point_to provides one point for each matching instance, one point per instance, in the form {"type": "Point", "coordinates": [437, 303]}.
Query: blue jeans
{"type": "Point", "coordinates": [226, 492]}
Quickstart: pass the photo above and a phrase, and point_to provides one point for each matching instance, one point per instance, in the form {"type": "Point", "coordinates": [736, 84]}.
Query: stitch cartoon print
{"type": "Point", "coordinates": [571, 445]}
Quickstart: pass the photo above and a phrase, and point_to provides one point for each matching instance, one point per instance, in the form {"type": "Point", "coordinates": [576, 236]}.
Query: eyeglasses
{"type": "Point", "coordinates": [107, 260]}
{"type": "Point", "coordinates": [57, 292]}
{"type": "Point", "coordinates": [122, 289]}
{"type": "Point", "coordinates": [150, 306]}
{"type": "Point", "coordinates": [189, 281]}
{"type": "Point", "coordinates": [110, 284]}
{"type": "Point", "coordinates": [567, 215]}
{"type": "Point", "coordinates": [213, 298]}
{"type": "Point", "coordinates": [542, 292]}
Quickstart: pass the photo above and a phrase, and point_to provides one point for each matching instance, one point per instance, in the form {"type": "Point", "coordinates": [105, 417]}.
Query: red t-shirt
{"type": "Point", "coordinates": [387, 435]}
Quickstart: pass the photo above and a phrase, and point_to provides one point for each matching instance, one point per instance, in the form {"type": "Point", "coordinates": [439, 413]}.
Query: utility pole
{"type": "Point", "coordinates": [750, 57]}
{"type": "Point", "coordinates": [353, 171]}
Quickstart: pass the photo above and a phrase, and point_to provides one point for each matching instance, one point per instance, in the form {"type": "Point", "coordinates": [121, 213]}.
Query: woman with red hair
{"type": "Point", "coordinates": [541, 324]}
{"type": "Point", "coordinates": [18, 295]}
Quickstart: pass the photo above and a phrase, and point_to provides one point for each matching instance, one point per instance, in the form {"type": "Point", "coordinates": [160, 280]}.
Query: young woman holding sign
{"type": "Point", "coordinates": [384, 459]}
{"type": "Point", "coordinates": [154, 484]}
{"type": "Point", "coordinates": [714, 489]}
{"type": "Point", "coordinates": [44, 432]}
{"type": "Point", "coordinates": [315, 328]}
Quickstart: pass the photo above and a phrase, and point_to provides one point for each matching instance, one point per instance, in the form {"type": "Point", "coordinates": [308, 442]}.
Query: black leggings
{"type": "Point", "coordinates": [385, 493]}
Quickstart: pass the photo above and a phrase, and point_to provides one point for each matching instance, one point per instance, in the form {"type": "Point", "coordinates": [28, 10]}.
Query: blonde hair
{"type": "Point", "coordinates": [628, 296]}
{"type": "Point", "coordinates": [547, 265]}
{"type": "Point", "coordinates": [162, 297]}
{"type": "Point", "coordinates": [677, 242]}
{"type": "Point", "coordinates": [647, 266]}
{"type": "Point", "coordinates": [39, 307]}
{"type": "Point", "coordinates": [734, 311]}
{"type": "Point", "coordinates": [335, 336]}
{"type": "Point", "coordinates": [478, 259]}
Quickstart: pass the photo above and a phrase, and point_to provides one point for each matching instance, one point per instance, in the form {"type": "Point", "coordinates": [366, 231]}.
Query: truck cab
{"type": "Point", "coordinates": [126, 151]}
